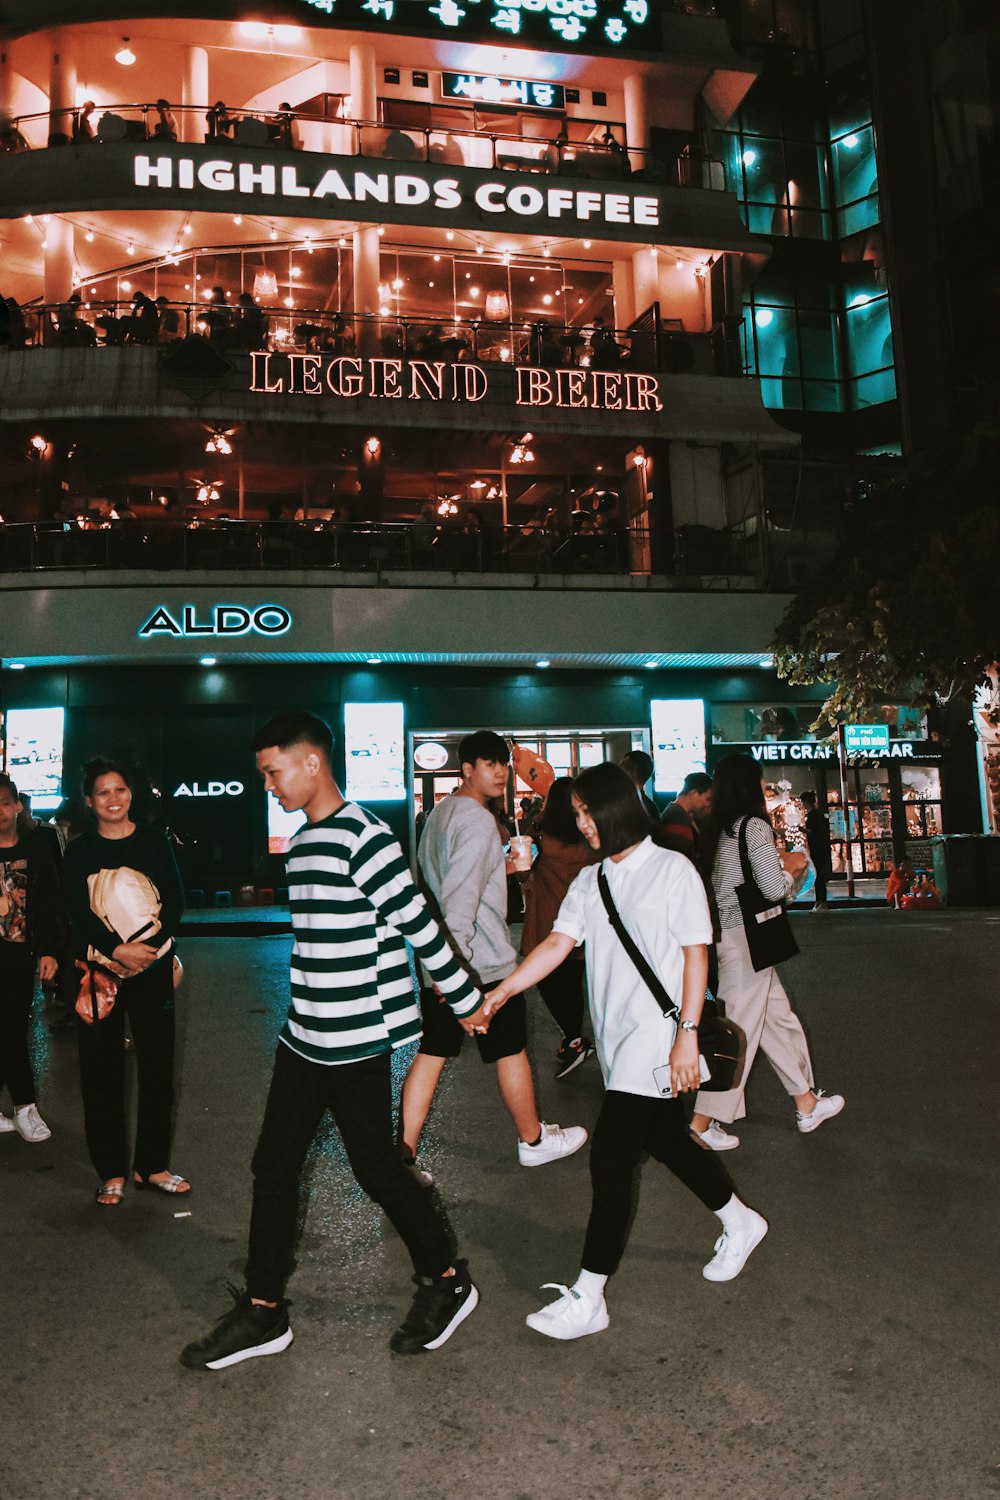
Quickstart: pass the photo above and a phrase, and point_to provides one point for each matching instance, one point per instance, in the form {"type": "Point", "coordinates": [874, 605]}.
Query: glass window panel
{"type": "Point", "coordinates": [591, 752]}
{"type": "Point", "coordinates": [858, 216]}
{"type": "Point", "coordinates": [774, 333]}
{"type": "Point", "coordinates": [854, 171]}
{"type": "Point", "coordinates": [873, 390]}
{"type": "Point", "coordinates": [806, 178]}
{"type": "Point", "coordinates": [559, 754]}
{"type": "Point", "coordinates": [818, 342]}
{"type": "Point", "coordinates": [823, 395]}
{"type": "Point", "coordinates": [807, 225]}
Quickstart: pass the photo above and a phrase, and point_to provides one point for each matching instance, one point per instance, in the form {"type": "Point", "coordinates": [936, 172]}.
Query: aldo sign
{"type": "Point", "coordinates": [220, 620]}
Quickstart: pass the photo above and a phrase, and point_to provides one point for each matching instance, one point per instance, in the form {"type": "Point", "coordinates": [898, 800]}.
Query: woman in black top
{"type": "Point", "coordinates": [124, 899]}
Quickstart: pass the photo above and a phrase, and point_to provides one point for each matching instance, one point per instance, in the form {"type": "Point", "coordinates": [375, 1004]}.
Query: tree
{"type": "Point", "coordinates": [909, 611]}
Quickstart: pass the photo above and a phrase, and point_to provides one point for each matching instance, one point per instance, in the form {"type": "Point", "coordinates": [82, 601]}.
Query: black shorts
{"type": "Point", "coordinates": [443, 1036]}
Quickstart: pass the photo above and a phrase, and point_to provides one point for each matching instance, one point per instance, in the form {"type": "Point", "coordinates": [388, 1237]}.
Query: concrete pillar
{"type": "Point", "coordinates": [645, 279]}
{"type": "Point", "coordinates": [364, 90]}
{"type": "Point", "coordinates": [624, 289]}
{"type": "Point", "coordinates": [636, 119]}
{"type": "Point", "coordinates": [194, 94]}
{"type": "Point", "coordinates": [60, 261]}
{"type": "Point", "coordinates": [6, 78]}
{"type": "Point", "coordinates": [62, 92]}
{"type": "Point", "coordinates": [366, 269]}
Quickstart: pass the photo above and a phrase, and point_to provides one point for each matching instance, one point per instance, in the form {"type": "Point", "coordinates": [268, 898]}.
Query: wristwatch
{"type": "Point", "coordinates": [687, 1026]}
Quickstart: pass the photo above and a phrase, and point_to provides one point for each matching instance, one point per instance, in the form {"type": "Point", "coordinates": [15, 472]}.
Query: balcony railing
{"type": "Point", "coordinates": [290, 130]}
{"type": "Point", "coordinates": [244, 329]}
{"type": "Point", "coordinates": [721, 560]}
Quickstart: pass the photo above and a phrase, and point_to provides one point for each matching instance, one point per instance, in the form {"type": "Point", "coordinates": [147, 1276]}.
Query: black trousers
{"type": "Point", "coordinates": [628, 1125]}
{"type": "Point", "coordinates": [17, 989]}
{"type": "Point", "coordinates": [562, 991]}
{"type": "Point", "coordinates": [148, 1001]}
{"type": "Point", "coordinates": [359, 1097]}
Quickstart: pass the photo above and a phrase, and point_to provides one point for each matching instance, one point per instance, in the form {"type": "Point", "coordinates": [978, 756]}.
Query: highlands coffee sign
{"type": "Point", "coordinates": [364, 192]}
{"type": "Point", "coordinates": [435, 380]}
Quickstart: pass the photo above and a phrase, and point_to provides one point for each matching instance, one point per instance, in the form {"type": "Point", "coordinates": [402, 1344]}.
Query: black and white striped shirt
{"type": "Point", "coordinates": [727, 872]}
{"type": "Point", "coordinates": [353, 901]}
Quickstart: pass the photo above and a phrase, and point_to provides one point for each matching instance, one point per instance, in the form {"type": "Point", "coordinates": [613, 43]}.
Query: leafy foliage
{"type": "Point", "coordinates": [908, 611]}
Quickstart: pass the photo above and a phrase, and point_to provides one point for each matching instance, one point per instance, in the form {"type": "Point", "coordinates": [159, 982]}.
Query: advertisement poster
{"type": "Point", "coordinates": [35, 754]}
{"type": "Point", "coordinates": [373, 750]}
{"type": "Point", "coordinates": [678, 726]}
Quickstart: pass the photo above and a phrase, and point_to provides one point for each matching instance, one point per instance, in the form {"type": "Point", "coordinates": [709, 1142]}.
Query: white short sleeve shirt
{"type": "Point", "coordinates": [662, 904]}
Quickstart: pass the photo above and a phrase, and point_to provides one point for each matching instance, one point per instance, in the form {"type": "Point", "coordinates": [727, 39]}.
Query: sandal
{"type": "Point", "coordinates": [169, 1184]}
{"type": "Point", "coordinates": [113, 1192]}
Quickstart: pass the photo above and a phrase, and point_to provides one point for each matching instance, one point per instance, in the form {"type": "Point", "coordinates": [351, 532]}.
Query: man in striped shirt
{"type": "Point", "coordinates": [353, 902]}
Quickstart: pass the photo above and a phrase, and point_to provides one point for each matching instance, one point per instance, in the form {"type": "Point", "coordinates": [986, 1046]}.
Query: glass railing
{"type": "Point", "coordinates": [436, 144]}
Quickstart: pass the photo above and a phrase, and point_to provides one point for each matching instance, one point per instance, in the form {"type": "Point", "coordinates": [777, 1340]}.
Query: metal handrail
{"type": "Point", "coordinates": [426, 143]}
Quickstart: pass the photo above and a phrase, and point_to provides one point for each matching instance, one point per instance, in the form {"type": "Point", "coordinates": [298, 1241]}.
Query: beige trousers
{"type": "Point", "coordinates": [758, 1003]}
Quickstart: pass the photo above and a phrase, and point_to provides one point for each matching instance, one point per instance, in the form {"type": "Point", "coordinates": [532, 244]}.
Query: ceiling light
{"type": "Point", "coordinates": [208, 661]}
{"type": "Point", "coordinates": [587, 244]}
{"type": "Point", "coordinates": [125, 55]}
{"type": "Point", "coordinates": [16, 666]}
{"type": "Point", "coordinates": [543, 663]}
{"type": "Point", "coordinates": [373, 661]}
{"type": "Point", "coordinates": [372, 445]}
{"type": "Point", "coordinates": [651, 664]}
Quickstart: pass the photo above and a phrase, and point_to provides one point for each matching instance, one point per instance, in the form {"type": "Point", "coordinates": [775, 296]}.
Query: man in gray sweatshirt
{"type": "Point", "coordinates": [462, 864]}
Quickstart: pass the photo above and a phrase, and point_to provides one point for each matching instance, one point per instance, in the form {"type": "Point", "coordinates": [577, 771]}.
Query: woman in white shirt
{"type": "Point", "coordinates": [662, 904]}
{"type": "Point", "coordinates": [756, 1001]}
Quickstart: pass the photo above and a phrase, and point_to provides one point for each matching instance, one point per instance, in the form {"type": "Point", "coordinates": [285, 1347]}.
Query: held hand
{"type": "Point", "coordinates": [495, 999]}
{"type": "Point", "coordinates": [134, 956]}
{"type": "Point", "coordinates": [794, 862]}
{"type": "Point", "coordinates": [47, 967]}
{"type": "Point", "coordinates": [476, 1024]}
{"type": "Point", "coordinates": [685, 1072]}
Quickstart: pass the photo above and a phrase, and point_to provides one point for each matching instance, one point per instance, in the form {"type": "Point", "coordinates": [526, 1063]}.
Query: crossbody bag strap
{"type": "Point", "coordinates": [749, 879]}
{"type": "Point", "coordinates": [652, 980]}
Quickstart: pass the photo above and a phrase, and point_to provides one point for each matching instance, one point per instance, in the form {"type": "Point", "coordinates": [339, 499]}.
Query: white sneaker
{"type": "Point", "coordinates": [734, 1247]}
{"type": "Point", "coordinates": [572, 1316]}
{"type": "Point", "coordinates": [7, 1126]}
{"type": "Point", "coordinates": [825, 1108]}
{"type": "Point", "coordinates": [30, 1125]}
{"type": "Point", "coordinates": [715, 1138]}
{"type": "Point", "coordinates": [555, 1142]}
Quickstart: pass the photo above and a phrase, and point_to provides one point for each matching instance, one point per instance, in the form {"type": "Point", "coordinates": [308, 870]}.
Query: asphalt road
{"type": "Point", "coordinates": [856, 1356]}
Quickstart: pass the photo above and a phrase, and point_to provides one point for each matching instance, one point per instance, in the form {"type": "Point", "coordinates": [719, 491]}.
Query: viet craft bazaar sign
{"type": "Point", "coordinates": [434, 380]}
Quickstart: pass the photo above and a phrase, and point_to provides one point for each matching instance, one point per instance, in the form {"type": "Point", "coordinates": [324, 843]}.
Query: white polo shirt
{"type": "Point", "coordinates": [662, 904]}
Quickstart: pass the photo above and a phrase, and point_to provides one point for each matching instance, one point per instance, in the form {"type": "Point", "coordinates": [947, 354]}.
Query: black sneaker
{"type": "Point", "coordinates": [438, 1307]}
{"type": "Point", "coordinates": [572, 1054]}
{"type": "Point", "coordinates": [244, 1332]}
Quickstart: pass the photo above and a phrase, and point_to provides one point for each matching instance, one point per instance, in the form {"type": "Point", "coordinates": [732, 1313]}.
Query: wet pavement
{"type": "Point", "coordinates": [856, 1356]}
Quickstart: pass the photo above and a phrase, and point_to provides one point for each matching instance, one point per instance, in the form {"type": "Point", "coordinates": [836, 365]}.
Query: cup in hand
{"type": "Point", "coordinates": [519, 857]}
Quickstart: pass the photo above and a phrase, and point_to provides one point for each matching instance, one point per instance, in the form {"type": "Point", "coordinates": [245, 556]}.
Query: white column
{"type": "Point", "coordinates": [60, 258]}
{"type": "Point", "coordinates": [366, 271]}
{"type": "Point", "coordinates": [62, 92]}
{"type": "Point", "coordinates": [636, 119]}
{"type": "Point", "coordinates": [622, 282]}
{"type": "Point", "coordinates": [194, 94]}
{"type": "Point", "coordinates": [364, 92]}
{"type": "Point", "coordinates": [645, 280]}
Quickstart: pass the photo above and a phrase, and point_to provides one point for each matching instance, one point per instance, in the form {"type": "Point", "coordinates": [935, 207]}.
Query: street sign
{"type": "Point", "coordinates": [866, 739]}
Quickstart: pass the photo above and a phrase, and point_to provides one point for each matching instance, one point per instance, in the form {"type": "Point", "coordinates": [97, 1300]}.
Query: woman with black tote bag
{"type": "Point", "coordinates": [752, 883]}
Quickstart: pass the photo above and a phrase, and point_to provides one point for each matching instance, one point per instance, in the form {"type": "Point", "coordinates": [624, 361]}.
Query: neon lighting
{"type": "Point", "coordinates": [223, 620]}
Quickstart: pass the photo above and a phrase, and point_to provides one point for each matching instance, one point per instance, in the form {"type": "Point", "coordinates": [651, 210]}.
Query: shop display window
{"type": "Point", "coordinates": [742, 723]}
{"type": "Point", "coordinates": [921, 801]}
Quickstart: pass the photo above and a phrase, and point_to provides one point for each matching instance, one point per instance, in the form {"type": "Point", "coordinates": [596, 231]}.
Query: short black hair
{"type": "Point", "coordinates": [609, 795]}
{"type": "Point", "coordinates": [809, 798]}
{"type": "Point", "coordinates": [696, 781]}
{"type": "Point", "coordinates": [99, 766]}
{"type": "Point", "coordinates": [294, 727]}
{"type": "Point", "coordinates": [7, 785]}
{"type": "Point", "coordinates": [484, 744]}
{"type": "Point", "coordinates": [639, 764]}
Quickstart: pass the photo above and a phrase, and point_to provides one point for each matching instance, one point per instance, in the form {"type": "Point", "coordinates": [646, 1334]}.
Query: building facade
{"type": "Point", "coordinates": [510, 363]}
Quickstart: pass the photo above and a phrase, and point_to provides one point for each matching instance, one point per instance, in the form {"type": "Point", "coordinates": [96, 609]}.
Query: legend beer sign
{"type": "Point", "coordinates": [436, 380]}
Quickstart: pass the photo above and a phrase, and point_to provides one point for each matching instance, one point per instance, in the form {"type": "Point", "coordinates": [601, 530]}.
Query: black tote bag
{"type": "Point", "coordinates": [769, 932]}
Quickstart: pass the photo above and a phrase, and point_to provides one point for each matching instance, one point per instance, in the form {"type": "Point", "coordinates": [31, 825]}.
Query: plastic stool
{"type": "Point", "coordinates": [281, 895]}
{"type": "Point", "coordinates": [265, 895]}
{"type": "Point", "coordinates": [223, 898]}
{"type": "Point", "coordinates": [196, 898]}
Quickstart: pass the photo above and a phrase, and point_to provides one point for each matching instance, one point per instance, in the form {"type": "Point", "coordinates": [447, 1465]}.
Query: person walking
{"type": "Point", "coordinates": [30, 928]}
{"type": "Point", "coordinates": [462, 865]}
{"type": "Point", "coordinates": [124, 898]}
{"type": "Point", "coordinates": [683, 819]}
{"type": "Point", "coordinates": [354, 907]}
{"type": "Point", "coordinates": [563, 853]}
{"type": "Point", "coordinates": [818, 844]}
{"type": "Point", "coordinates": [661, 902]}
{"type": "Point", "coordinates": [638, 767]}
{"type": "Point", "coordinates": [756, 1001]}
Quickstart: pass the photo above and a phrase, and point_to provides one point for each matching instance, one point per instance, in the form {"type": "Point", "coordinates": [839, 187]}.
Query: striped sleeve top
{"type": "Point", "coordinates": [353, 902]}
{"type": "Point", "coordinates": [727, 873]}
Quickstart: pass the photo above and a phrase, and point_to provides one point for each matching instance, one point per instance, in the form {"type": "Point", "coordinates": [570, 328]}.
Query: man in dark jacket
{"type": "Point", "coordinates": [818, 844]}
{"type": "Point", "coordinates": [682, 819]}
{"type": "Point", "coordinates": [30, 925]}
